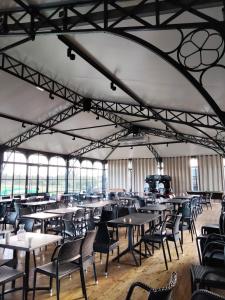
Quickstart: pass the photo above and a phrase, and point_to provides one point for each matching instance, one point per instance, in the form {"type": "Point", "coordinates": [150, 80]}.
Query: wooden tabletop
{"type": "Point", "coordinates": [63, 210]}
{"type": "Point", "coordinates": [153, 207]}
{"type": "Point", "coordinates": [135, 219]}
{"type": "Point", "coordinates": [38, 240]}
{"type": "Point", "coordinates": [97, 204]}
{"type": "Point", "coordinates": [41, 216]}
{"type": "Point", "coordinates": [38, 203]}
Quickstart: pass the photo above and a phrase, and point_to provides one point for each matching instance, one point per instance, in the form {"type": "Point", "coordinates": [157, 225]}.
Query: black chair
{"type": "Point", "coordinates": [214, 228]}
{"type": "Point", "coordinates": [10, 219]}
{"type": "Point", "coordinates": [206, 200]}
{"type": "Point", "coordinates": [187, 221]}
{"type": "Point", "coordinates": [87, 252]}
{"type": "Point", "coordinates": [174, 234]}
{"type": "Point", "coordinates": [66, 259]}
{"type": "Point", "coordinates": [206, 295]}
{"type": "Point", "coordinates": [80, 222]}
{"type": "Point", "coordinates": [154, 293]}
{"type": "Point", "coordinates": [104, 243]}
{"type": "Point", "coordinates": [2, 212]}
{"type": "Point", "coordinates": [9, 275]}
{"type": "Point", "coordinates": [157, 236]}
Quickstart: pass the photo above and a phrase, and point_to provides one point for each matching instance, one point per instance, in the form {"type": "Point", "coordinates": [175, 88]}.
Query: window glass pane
{"type": "Point", "coordinates": [57, 161]}
{"type": "Point", "coordinates": [74, 163]}
{"type": "Point", "coordinates": [19, 178]}
{"type": "Point", "coordinates": [33, 159]}
{"type": "Point", "coordinates": [42, 183]}
{"type": "Point", "coordinates": [83, 180]}
{"type": "Point", "coordinates": [32, 179]}
{"type": "Point", "coordinates": [86, 164]}
{"type": "Point", "coordinates": [43, 160]}
{"type": "Point", "coordinates": [97, 165]}
{"type": "Point", "coordinates": [8, 156]}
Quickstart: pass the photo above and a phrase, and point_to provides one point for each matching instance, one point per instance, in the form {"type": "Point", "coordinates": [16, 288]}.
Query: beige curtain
{"type": "Point", "coordinates": [141, 167]}
{"type": "Point", "coordinates": [179, 169]}
{"type": "Point", "coordinates": [118, 174]}
{"type": "Point", "coordinates": [211, 177]}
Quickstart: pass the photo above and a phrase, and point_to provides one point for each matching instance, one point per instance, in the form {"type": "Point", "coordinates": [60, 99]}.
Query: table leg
{"type": "Point", "coordinates": [27, 273]}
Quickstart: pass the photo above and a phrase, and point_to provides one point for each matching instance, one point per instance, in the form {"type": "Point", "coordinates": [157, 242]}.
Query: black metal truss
{"type": "Point", "coordinates": [102, 108]}
{"type": "Point", "coordinates": [196, 119]}
{"type": "Point", "coordinates": [41, 128]}
{"type": "Point", "coordinates": [182, 138]}
{"type": "Point", "coordinates": [107, 140]}
{"type": "Point", "coordinates": [155, 153]}
{"type": "Point", "coordinates": [104, 15]}
{"type": "Point", "coordinates": [34, 77]}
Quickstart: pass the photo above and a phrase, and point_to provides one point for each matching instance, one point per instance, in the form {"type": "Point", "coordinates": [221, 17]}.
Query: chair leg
{"type": "Point", "coordinates": [3, 292]}
{"type": "Point", "coordinates": [95, 273]}
{"type": "Point", "coordinates": [57, 288]}
{"type": "Point", "coordinates": [168, 248]}
{"type": "Point", "coordinates": [175, 244]}
{"type": "Point", "coordinates": [50, 285]}
{"type": "Point", "coordinates": [140, 254]}
{"type": "Point", "coordinates": [34, 284]}
{"type": "Point", "coordinates": [83, 285]}
{"type": "Point", "coordinates": [164, 254]}
{"type": "Point", "coordinates": [181, 246]}
{"type": "Point", "coordinates": [34, 257]}
{"type": "Point", "coordinates": [118, 253]}
{"type": "Point", "coordinates": [23, 292]}
{"type": "Point", "coordinates": [106, 264]}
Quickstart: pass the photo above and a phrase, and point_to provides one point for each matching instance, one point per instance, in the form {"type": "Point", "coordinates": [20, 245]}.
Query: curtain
{"type": "Point", "coordinates": [118, 174]}
{"type": "Point", "coordinates": [211, 177]}
{"type": "Point", "coordinates": [179, 169]}
{"type": "Point", "coordinates": [141, 167]}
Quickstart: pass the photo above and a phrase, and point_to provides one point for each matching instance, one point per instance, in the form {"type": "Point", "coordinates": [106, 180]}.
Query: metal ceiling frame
{"type": "Point", "coordinates": [99, 107]}
{"type": "Point", "coordinates": [70, 17]}
{"type": "Point", "coordinates": [180, 8]}
{"type": "Point", "coordinates": [22, 71]}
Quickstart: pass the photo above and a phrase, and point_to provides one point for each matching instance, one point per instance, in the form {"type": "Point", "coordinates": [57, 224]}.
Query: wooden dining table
{"type": "Point", "coordinates": [38, 240]}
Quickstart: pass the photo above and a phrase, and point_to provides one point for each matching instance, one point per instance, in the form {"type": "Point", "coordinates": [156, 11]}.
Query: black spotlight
{"type": "Point", "coordinates": [51, 96]}
{"type": "Point", "coordinates": [97, 118]}
{"type": "Point", "coordinates": [71, 55]}
{"type": "Point", "coordinates": [112, 86]}
{"type": "Point", "coordinates": [74, 138]}
{"type": "Point", "coordinates": [86, 104]}
{"type": "Point", "coordinates": [23, 125]}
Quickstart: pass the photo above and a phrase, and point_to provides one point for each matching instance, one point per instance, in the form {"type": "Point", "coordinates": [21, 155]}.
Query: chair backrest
{"type": "Point", "coordinates": [102, 235]}
{"type": "Point", "coordinates": [186, 210]}
{"type": "Point", "coordinates": [79, 214]}
{"type": "Point", "coordinates": [122, 211]}
{"type": "Point", "coordinates": [25, 211]}
{"type": "Point", "coordinates": [87, 244]}
{"type": "Point", "coordinates": [69, 251]}
{"type": "Point", "coordinates": [215, 245]}
{"type": "Point", "coordinates": [222, 223]}
{"type": "Point", "coordinates": [206, 295]}
{"type": "Point", "coordinates": [10, 218]}
{"type": "Point", "coordinates": [2, 210]}
{"type": "Point", "coordinates": [141, 202]}
{"type": "Point", "coordinates": [176, 224]}
{"type": "Point", "coordinates": [166, 292]}
{"type": "Point", "coordinates": [69, 227]}
{"type": "Point", "coordinates": [107, 215]}
{"type": "Point", "coordinates": [17, 207]}
{"type": "Point", "coordinates": [28, 224]}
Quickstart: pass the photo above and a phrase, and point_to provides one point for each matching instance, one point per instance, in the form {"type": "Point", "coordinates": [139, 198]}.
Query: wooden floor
{"type": "Point", "coordinates": [115, 287]}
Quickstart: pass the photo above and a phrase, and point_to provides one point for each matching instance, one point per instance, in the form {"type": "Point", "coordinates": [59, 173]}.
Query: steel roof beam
{"type": "Point", "coordinates": [15, 20]}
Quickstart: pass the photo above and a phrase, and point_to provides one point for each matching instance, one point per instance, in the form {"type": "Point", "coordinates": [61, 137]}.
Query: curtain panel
{"type": "Point", "coordinates": [141, 167]}
{"type": "Point", "coordinates": [211, 173]}
{"type": "Point", "coordinates": [180, 171]}
{"type": "Point", "coordinates": [118, 174]}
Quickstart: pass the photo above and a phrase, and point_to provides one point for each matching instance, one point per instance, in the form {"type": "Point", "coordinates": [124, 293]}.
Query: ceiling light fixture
{"type": "Point", "coordinates": [39, 88]}
{"type": "Point", "coordinates": [116, 125]}
{"type": "Point", "coordinates": [97, 118]}
{"type": "Point", "coordinates": [23, 125]}
{"type": "Point", "coordinates": [71, 55]}
{"type": "Point", "coordinates": [74, 138]}
{"type": "Point", "coordinates": [112, 86]}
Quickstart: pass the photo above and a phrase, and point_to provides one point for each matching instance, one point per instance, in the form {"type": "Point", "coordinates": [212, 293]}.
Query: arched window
{"type": "Point", "coordinates": [38, 159]}
{"type": "Point", "coordinates": [97, 177]}
{"type": "Point", "coordinates": [57, 175]}
{"type": "Point", "coordinates": [74, 176]}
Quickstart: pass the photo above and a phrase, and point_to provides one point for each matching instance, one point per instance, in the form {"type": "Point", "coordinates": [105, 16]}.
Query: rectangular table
{"type": "Point", "coordinates": [97, 204]}
{"type": "Point", "coordinates": [42, 217]}
{"type": "Point", "coordinates": [63, 210]}
{"type": "Point", "coordinates": [136, 219]}
{"type": "Point", "coordinates": [38, 240]}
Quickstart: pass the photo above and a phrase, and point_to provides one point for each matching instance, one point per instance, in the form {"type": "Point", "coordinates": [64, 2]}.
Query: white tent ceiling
{"type": "Point", "coordinates": [156, 82]}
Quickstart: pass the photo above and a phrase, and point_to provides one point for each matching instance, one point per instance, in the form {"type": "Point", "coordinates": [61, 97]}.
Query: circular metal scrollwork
{"type": "Point", "coordinates": [201, 49]}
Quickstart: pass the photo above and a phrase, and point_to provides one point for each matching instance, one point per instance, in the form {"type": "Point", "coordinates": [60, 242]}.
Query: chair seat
{"type": "Point", "coordinates": [153, 238]}
{"type": "Point", "coordinates": [8, 274]}
{"type": "Point", "coordinates": [212, 279]}
{"type": "Point", "coordinates": [105, 248]}
{"type": "Point", "coordinates": [64, 269]}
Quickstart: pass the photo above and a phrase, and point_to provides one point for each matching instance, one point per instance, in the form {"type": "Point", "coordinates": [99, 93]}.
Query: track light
{"type": "Point", "coordinates": [131, 147]}
{"type": "Point", "coordinates": [112, 86]}
{"type": "Point", "coordinates": [71, 55]}
{"type": "Point", "coordinates": [86, 104]}
{"type": "Point", "coordinates": [61, 14]}
{"type": "Point", "coordinates": [51, 96]}
{"type": "Point", "coordinates": [74, 138]}
{"type": "Point", "coordinates": [97, 118]}
{"type": "Point", "coordinates": [167, 145]}
{"type": "Point", "coordinates": [116, 126]}
{"type": "Point", "coordinates": [23, 125]}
